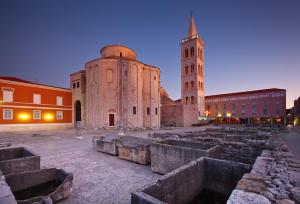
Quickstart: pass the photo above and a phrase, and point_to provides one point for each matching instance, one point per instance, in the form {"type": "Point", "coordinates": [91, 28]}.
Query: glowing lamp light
{"type": "Point", "coordinates": [24, 116]}
{"type": "Point", "coordinates": [48, 116]}
{"type": "Point", "coordinates": [206, 113]}
{"type": "Point", "coordinates": [228, 114]}
{"type": "Point", "coordinates": [219, 114]}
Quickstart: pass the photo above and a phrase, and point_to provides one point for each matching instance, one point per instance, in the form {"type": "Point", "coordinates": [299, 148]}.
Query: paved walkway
{"type": "Point", "coordinates": [98, 177]}
{"type": "Point", "coordinates": [292, 138]}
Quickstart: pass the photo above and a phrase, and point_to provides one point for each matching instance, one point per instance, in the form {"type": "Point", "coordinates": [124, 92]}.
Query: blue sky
{"type": "Point", "coordinates": [250, 44]}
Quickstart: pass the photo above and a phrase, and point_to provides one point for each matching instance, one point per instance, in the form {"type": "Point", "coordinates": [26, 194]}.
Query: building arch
{"type": "Point", "coordinates": [77, 111]}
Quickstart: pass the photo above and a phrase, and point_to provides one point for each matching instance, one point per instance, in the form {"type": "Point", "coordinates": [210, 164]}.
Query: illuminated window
{"type": "Point", "coordinates": [37, 98]}
{"type": "Point", "coordinates": [134, 110]}
{"type": "Point", "coordinates": [8, 95]}
{"type": "Point", "coordinates": [59, 101]}
{"type": "Point", "coordinates": [7, 114]}
{"type": "Point", "coordinates": [36, 114]}
{"type": "Point", "coordinates": [59, 115]}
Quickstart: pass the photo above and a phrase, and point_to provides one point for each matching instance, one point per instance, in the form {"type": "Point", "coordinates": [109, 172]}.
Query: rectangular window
{"type": "Point", "coordinates": [59, 101]}
{"type": "Point", "coordinates": [37, 98]}
{"type": "Point", "coordinates": [59, 115]}
{"type": "Point", "coordinates": [134, 110]}
{"type": "Point", "coordinates": [148, 111]}
{"type": "Point", "coordinates": [36, 114]}
{"type": "Point", "coordinates": [8, 96]}
{"type": "Point", "coordinates": [156, 111]}
{"type": "Point", "coordinates": [7, 114]}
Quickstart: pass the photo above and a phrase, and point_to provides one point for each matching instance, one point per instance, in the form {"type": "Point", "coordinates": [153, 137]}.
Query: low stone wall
{"type": "Point", "coordinates": [134, 149]}
{"type": "Point", "coordinates": [18, 159]}
{"type": "Point", "coordinates": [168, 155]}
{"type": "Point", "coordinates": [184, 184]}
{"type": "Point", "coordinates": [34, 127]}
{"type": "Point", "coordinates": [46, 185]}
{"type": "Point", "coordinates": [274, 178]}
{"type": "Point", "coordinates": [6, 196]}
{"type": "Point", "coordinates": [234, 146]}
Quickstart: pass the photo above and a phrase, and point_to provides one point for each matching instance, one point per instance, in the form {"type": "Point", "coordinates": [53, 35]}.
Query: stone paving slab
{"type": "Point", "coordinates": [98, 177]}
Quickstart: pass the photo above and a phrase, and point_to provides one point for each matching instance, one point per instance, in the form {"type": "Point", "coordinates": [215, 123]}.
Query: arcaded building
{"type": "Point", "coordinates": [116, 90]}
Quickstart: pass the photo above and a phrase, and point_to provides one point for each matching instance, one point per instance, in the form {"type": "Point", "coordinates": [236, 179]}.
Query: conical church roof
{"type": "Point", "coordinates": [192, 27]}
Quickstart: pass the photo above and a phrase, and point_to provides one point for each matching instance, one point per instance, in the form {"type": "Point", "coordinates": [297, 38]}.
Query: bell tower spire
{"type": "Point", "coordinates": [192, 76]}
{"type": "Point", "coordinates": [192, 27]}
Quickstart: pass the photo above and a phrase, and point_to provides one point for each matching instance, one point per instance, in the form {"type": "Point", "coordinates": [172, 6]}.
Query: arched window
{"type": "Point", "coordinates": [186, 53]}
{"type": "Point", "coordinates": [199, 84]}
{"type": "Point", "coordinates": [186, 70]}
{"type": "Point", "coordinates": [192, 52]}
{"type": "Point", "coordinates": [201, 70]}
{"type": "Point", "coordinates": [201, 54]}
{"type": "Point", "coordinates": [186, 100]}
{"type": "Point", "coordinates": [192, 85]}
{"type": "Point", "coordinates": [186, 86]}
{"type": "Point", "coordinates": [192, 68]}
{"type": "Point", "coordinates": [192, 100]}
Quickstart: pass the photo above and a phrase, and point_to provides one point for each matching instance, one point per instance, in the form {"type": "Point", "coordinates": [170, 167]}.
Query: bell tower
{"type": "Point", "coordinates": [192, 75]}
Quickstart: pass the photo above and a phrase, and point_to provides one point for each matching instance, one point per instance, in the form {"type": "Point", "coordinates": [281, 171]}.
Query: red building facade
{"type": "Point", "coordinates": [27, 105]}
{"type": "Point", "coordinates": [259, 106]}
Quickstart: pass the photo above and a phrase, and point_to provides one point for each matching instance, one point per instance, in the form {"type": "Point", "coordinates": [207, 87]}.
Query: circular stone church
{"type": "Point", "coordinates": [116, 90]}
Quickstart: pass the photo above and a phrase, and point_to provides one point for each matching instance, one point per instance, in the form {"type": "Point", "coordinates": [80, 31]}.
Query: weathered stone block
{"type": "Point", "coordinates": [168, 155]}
{"type": "Point", "coordinates": [134, 149]}
{"type": "Point", "coordinates": [106, 144]}
{"type": "Point", "coordinates": [40, 186]}
{"type": "Point", "coordinates": [241, 197]}
{"type": "Point", "coordinates": [18, 159]}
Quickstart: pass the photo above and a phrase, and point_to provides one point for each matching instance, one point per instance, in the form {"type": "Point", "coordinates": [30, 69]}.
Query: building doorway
{"type": "Point", "coordinates": [111, 120]}
{"type": "Point", "coordinates": [77, 111]}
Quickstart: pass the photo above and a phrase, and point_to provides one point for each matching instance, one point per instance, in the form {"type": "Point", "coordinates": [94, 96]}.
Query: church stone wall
{"type": "Point", "coordinates": [126, 88]}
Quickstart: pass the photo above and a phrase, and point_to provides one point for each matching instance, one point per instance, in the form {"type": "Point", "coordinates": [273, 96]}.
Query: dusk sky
{"type": "Point", "coordinates": [249, 44]}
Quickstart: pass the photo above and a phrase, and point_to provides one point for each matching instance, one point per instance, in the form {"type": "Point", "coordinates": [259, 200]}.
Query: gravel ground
{"type": "Point", "coordinates": [98, 177]}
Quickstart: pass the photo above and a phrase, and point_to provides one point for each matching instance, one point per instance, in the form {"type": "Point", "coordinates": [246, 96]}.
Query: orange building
{"type": "Point", "coordinates": [26, 105]}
